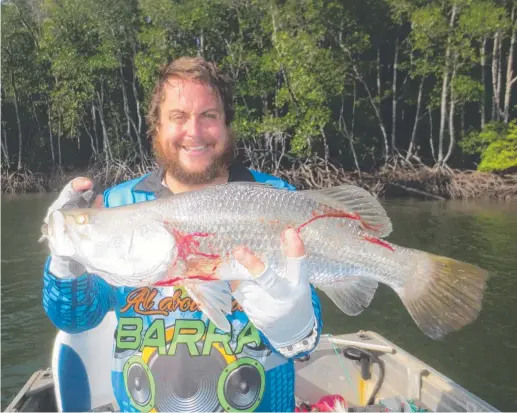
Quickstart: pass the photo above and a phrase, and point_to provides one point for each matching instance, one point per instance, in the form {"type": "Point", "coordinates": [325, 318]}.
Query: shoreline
{"type": "Point", "coordinates": [415, 181]}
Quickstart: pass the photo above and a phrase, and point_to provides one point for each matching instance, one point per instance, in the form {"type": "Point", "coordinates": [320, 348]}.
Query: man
{"type": "Point", "coordinates": [175, 349]}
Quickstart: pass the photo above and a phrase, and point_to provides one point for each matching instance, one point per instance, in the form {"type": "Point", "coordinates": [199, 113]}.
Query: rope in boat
{"type": "Point", "coordinates": [339, 356]}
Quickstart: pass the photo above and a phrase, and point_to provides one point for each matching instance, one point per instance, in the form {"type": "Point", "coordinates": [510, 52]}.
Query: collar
{"type": "Point", "coordinates": [152, 182]}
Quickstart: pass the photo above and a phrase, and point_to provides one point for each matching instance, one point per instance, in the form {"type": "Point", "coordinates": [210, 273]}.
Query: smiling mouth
{"type": "Point", "coordinates": [199, 148]}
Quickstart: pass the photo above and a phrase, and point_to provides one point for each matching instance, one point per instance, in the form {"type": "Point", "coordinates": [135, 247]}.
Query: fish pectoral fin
{"type": "Point", "coordinates": [353, 199]}
{"type": "Point", "coordinates": [214, 299]}
{"type": "Point", "coordinates": [352, 295]}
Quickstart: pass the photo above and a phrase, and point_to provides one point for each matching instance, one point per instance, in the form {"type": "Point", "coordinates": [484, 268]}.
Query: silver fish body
{"type": "Point", "coordinates": [191, 235]}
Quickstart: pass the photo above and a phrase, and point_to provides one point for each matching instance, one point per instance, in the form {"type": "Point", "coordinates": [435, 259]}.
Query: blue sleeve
{"type": "Point", "coordinates": [78, 304]}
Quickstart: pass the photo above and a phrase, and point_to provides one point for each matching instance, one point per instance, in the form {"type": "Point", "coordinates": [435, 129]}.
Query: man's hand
{"type": "Point", "coordinates": [78, 193]}
{"type": "Point", "coordinates": [279, 305]}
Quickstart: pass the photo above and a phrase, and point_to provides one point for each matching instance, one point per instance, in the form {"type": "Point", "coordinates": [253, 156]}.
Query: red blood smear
{"type": "Point", "coordinates": [173, 281]}
{"type": "Point", "coordinates": [188, 244]}
{"type": "Point", "coordinates": [336, 214]}
{"type": "Point", "coordinates": [377, 241]}
{"type": "Point", "coordinates": [354, 216]}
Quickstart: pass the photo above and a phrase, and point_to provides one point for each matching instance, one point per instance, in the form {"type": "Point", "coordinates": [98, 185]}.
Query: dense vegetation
{"type": "Point", "coordinates": [365, 86]}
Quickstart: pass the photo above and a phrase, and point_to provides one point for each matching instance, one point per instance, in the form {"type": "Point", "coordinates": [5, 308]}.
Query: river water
{"type": "Point", "coordinates": [482, 357]}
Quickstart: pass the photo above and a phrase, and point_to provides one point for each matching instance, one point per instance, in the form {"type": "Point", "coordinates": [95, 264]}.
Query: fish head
{"type": "Point", "coordinates": [123, 247]}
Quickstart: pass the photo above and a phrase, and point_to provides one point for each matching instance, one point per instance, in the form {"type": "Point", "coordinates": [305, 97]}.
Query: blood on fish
{"type": "Point", "coordinates": [202, 277]}
{"type": "Point", "coordinates": [173, 281]}
{"type": "Point", "coordinates": [377, 241]}
{"type": "Point", "coordinates": [336, 213]}
{"type": "Point", "coordinates": [188, 244]}
{"type": "Point", "coordinates": [167, 283]}
{"type": "Point", "coordinates": [188, 252]}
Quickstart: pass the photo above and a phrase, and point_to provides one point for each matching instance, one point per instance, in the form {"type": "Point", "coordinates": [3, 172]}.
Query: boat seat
{"type": "Point", "coordinates": [81, 365]}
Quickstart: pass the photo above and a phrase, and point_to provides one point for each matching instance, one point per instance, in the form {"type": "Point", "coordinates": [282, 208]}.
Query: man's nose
{"type": "Point", "coordinates": [193, 126]}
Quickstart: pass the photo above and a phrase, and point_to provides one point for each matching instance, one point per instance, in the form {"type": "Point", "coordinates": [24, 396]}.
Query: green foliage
{"type": "Point", "coordinates": [501, 154]}
{"type": "Point", "coordinates": [20, 68]}
{"type": "Point", "coordinates": [303, 71]}
{"type": "Point", "coordinates": [467, 89]}
{"type": "Point", "coordinates": [496, 145]}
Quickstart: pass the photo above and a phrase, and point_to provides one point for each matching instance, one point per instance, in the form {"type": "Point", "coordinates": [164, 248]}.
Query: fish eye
{"type": "Point", "coordinates": [81, 219]}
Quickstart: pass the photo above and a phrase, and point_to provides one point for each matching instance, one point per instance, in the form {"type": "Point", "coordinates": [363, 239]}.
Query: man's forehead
{"type": "Point", "coordinates": [190, 92]}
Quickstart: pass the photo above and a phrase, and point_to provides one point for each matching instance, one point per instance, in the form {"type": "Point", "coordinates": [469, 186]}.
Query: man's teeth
{"type": "Point", "coordinates": [195, 148]}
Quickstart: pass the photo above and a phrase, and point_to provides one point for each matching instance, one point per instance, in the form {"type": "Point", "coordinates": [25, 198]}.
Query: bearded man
{"type": "Point", "coordinates": [192, 366]}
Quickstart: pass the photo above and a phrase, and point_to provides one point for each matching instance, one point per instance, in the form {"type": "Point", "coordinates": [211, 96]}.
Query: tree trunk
{"type": "Point", "coordinates": [352, 148]}
{"type": "Point", "coordinates": [445, 87]}
{"type": "Point", "coordinates": [59, 139]}
{"type": "Point", "coordinates": [495, 77]}
{"type": "Point", "coordinates": [130, 121]}
{"type": "Point", "coordinates": [379, 89]}
{"type": "Point", "coordinates": [124, 100]}
{"type": "Point", "coordinates": [483, 82]}
{"type": "Point", "coordinates": [92, 141]}
{"type": "Point", "coordinates": [138, 114]}
{"type": "Point", "coordinates": [18, 123]}
{"type": "Point", "coordinates": [100, 111]}
{"type": "Point", "coordinates": [201, 45]}
{"type": "Point", "coordinates": [350, 134]}
{"type": "Point", "coordinates": [417, 119]}
{"type": "Point", "coordinates": [394, 97]}
{"type": "Point", "coordinates": [94, 125]}
{"type": "Point", "coordinates": [431, 143]}
{"type": "Point", "coordinates": [50, 134]}
{"type": "Point", "coordinates": [452, 139]}
{"type": "Point", "coordinates": [463, 124]}
{"type": "Point", "coordinates": [499, 77]}
{"type": "Point", "coordinates": [5, 148]}
{"type": "Point", "coordinates": [509, 71]}
{"type": "Point", "coordinates": [20, 139]}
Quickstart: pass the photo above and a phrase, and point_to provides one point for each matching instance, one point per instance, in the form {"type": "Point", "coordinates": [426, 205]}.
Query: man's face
{"type": "Point", "coordinates": [192, 141]}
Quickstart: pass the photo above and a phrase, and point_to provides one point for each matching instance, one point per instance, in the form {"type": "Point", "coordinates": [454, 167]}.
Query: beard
{"type": "Point", "coordinates": [172, 165]}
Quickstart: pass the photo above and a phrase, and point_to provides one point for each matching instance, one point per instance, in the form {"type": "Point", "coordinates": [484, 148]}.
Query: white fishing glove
{"type": "Point", "coordinates": [64, 267]}
{"type": "Point", "coordinates": [279, 305]}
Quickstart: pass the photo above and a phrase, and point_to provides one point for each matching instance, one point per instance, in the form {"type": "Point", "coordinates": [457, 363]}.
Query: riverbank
{"type": "Point", "coordinates": [389, 181]}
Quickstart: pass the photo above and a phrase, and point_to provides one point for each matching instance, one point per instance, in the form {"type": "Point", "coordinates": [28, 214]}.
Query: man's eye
{"type": "Point", "coordinates": [177, 116]}
{"type": "Point", "coordinates": [211, 115]}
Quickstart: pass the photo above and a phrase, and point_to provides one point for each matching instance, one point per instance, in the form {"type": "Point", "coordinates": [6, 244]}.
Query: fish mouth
{"type": "Point", "coordinates": [59, 235]}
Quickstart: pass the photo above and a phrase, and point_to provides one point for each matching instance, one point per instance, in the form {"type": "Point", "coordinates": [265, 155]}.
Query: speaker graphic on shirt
{"type": "Point", "coordinates": [241, 385]}
{"type": "Point", "coordinates": [139, 382]}
{"type": "Point", "coordinates": [193, 380]}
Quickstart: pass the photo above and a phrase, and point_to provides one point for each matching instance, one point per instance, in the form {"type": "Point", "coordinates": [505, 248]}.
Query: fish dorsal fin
{"type": "Point", "coordinates": [353, 199]}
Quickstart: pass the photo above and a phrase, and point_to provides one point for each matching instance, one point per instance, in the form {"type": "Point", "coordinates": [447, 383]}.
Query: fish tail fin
{"type": "Point", "coordinates": [442, 294]}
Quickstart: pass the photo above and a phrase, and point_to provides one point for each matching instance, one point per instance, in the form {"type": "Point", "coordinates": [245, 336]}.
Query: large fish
{"type": "Point", "coordinates": [189, 238]}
